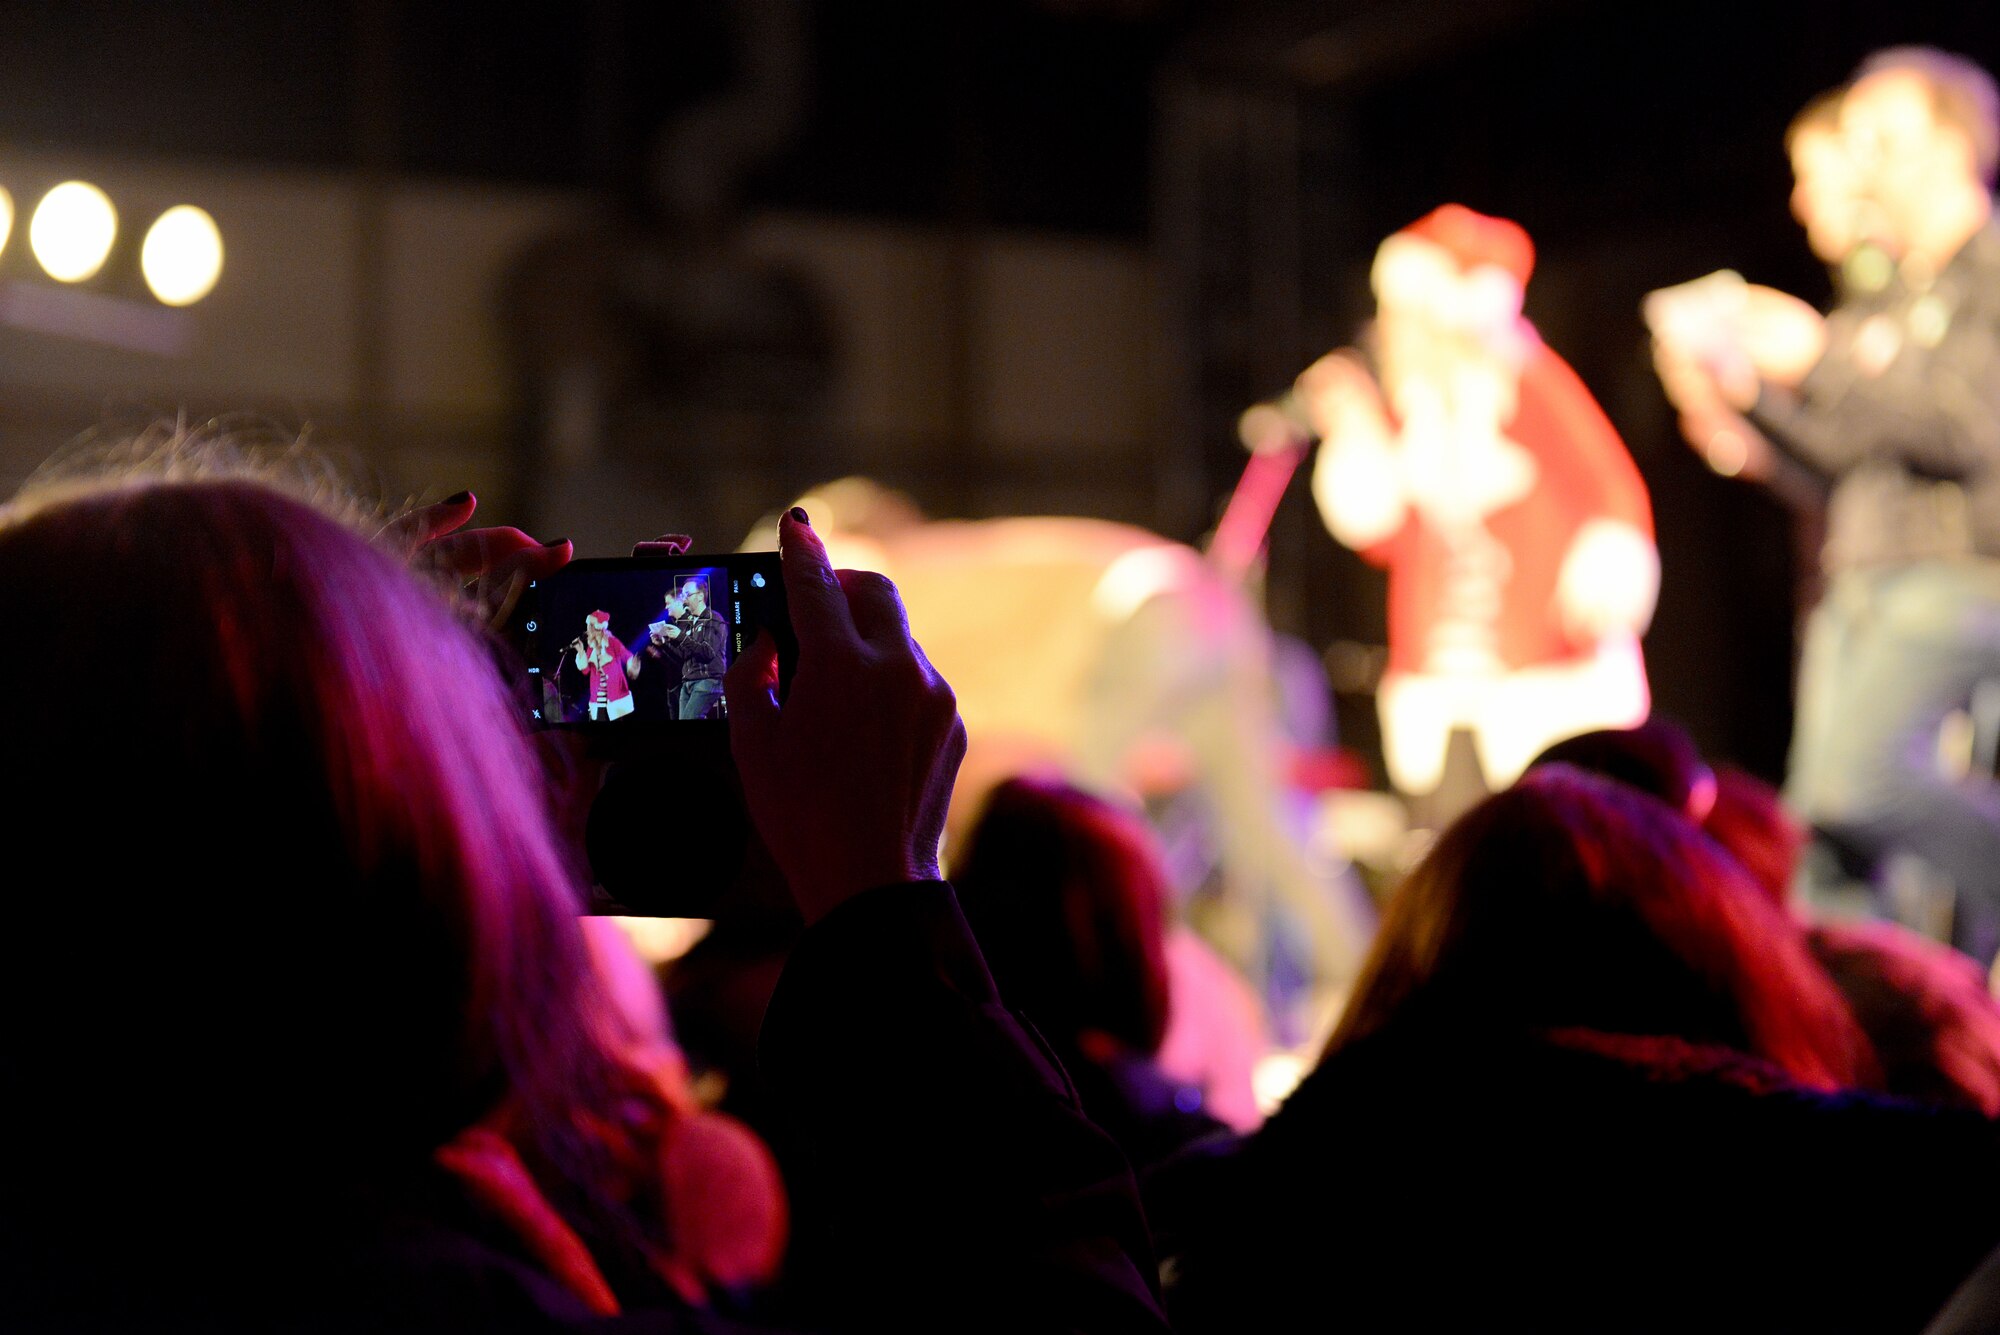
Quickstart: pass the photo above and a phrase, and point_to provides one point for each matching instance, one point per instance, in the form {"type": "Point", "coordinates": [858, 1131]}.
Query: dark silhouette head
{"type": "Point", "coordinates": [1657, 758]}
{"type": "Point", "coordinates": [1573, 902]}
{"type": "Point", "coordinates": [310, 913]}
{"type": "Point", "coordinates": [1065, 894]}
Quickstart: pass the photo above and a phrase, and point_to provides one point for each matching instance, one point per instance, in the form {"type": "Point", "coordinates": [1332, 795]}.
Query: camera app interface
{"type": "Point", "coordinates": [623, 645]}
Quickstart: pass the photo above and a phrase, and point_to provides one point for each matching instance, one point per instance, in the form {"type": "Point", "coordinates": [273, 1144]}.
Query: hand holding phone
{"type": "Point", "coordinates": [662, 721]}
{"type": "Point", "coordinates": [488, 567]}
{"type": "Point", "coordinates": [848, 775]}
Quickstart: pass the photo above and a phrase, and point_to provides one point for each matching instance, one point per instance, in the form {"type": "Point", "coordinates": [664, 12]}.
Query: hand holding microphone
{"type": "Point", "coordinates": [1336, 395]}
{"type": "Point", "coordinates": [1274, 426]}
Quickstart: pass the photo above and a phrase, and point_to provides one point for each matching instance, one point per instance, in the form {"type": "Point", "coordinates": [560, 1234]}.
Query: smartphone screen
{"type": "Point", "coordinates": [644, 642]}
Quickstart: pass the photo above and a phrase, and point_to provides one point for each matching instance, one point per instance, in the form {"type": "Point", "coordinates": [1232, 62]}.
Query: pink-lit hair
{"type": "Point", "coordinates": [1749, 820]}
{"type": "Point", "coordinates": [1925, 1007]}
{"type": "Point", "coordinates": [312, 922]}
{"type": "Point", "coordinates": [1570, 902]}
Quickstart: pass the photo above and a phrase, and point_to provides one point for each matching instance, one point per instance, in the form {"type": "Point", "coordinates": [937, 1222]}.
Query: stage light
{"type": "Point", "coordinates": [72, 231]}
{"type": "Point", "coordinates": [182, 257]}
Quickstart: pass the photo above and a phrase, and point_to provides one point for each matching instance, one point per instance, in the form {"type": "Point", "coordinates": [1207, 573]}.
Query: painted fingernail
{"type": "Point", "coordinates": [459, 498]}
{"type": "Point", "coordinates": [559, 542]}
{"type": "Point", "coordinates": [799, 513]}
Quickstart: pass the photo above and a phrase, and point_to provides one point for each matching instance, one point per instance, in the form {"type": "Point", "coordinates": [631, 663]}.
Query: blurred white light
{"type": "Point", "coordinates": [660, 940]}
{"type": "Point", "coordinates": [1274, 1077]}
{"type": "Point", "coordinates": [182, 256]}
{"type": "Point", "coordinates": [72, 231]}
{"type": "Point", "coordinates": [6, 217]}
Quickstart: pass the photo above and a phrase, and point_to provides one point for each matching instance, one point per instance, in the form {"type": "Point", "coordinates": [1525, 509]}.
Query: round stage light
{"type": "Point", "coordinates": [182, 256]}
{"type": "Point", "coordinates": [72, 231]}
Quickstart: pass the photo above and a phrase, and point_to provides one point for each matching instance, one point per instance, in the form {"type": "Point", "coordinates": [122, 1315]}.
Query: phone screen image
{"type": "Point", "coordinates": [617, 644]}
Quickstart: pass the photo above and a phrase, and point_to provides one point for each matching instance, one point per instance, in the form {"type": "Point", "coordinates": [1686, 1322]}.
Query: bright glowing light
{"type": "Point", "coordinates": [1275, 1077]}
{"type": "Point", "coordinates": [182, 256]}
{"type": "Point", "coordinates": [659, 940]}
{"type": "Point", "coordinates": [6, 217]}
{"type": "Point", "coordinates": [72, 231]}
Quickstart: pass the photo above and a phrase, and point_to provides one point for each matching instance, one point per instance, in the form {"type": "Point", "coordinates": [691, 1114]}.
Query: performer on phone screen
{"type": "Point", "coordinates": [608, 668]}
{"type": "Point", "coordinates": [693, 636]}
{"type": "Point", "coordinates": [1470, 460]}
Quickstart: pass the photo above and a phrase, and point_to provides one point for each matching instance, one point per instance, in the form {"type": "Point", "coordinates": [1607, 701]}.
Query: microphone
{"type": "Point", "coordinates": [1276, 425]}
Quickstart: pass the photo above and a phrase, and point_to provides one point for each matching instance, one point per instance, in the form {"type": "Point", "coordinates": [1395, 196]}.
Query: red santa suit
{"type": "Point", "coordinates": [1514, 526]}
{"type": "Point", "coordinates": [603, 663]}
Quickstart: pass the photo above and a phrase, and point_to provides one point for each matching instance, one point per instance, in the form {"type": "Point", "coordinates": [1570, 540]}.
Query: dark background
{"type": "Point", "coordinates": [1261, 150]}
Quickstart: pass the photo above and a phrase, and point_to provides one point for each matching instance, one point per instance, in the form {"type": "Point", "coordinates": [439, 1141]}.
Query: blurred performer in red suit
{"type": "Point", "coordinates": [1470, 460]}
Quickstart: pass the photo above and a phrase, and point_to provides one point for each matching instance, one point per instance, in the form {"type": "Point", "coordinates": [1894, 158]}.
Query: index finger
{"type": "Point", "coordinates": [478, 551]}
{"type": "Point", "coordinates": [876, 607]}
{"type": "Point", "coordinates": [818, 607]}
{"type": "Point", "coordinates": [415, 527]}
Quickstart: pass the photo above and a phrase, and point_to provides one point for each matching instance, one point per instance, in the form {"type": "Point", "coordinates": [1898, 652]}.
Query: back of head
{"type": "Point", "coordinates": [1572, 902]}
{"type": "Point", "coordinates": [1065, 893]}
{"type": "Point", "coordinates": [303, 905]}
{"type": "Point", "coordinates": [1657, 758]}
{"type": "Point", "coordinates": [1749, 820]}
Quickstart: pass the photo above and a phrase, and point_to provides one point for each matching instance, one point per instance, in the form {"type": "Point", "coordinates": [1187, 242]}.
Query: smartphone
{"type": "Point", "coordinates": [628, 655]}
{"type": "Point", "coordinates": [637, 647]}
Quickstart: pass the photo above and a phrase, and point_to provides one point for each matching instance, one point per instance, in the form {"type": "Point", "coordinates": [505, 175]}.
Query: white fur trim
{"type": "Point", "coordinates": [1412, 274]}
{"type": "Point", "coordinates": [1512, 716]}
{"type": "Point", "coordinates": [1410, 271]}
{"type": "Point", "coordinates": [1359, 489]}
{"type": "Point", "coordinates": [1610, 580]}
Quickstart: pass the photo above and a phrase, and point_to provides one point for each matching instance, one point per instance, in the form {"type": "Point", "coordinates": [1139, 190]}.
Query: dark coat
{"type": "Point", "coordinates": [1430, 1182]}
{"type": "Point", "coordinates": [933, 1130]}
{"type": "Point", "coordinates": [950, 1183]}
{"type": "Point", "coordinates": [1149, 1114]}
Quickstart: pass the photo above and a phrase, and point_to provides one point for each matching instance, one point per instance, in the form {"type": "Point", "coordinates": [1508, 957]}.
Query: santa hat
{"type": "Point", "coordinates": [1475, 240]}
{"type": "Point", "coordinates": [599, 620]}
{"type": "Point", "coordinates": [1463, 268]}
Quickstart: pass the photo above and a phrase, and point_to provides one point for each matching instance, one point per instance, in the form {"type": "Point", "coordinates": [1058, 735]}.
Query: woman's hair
{"type": "Point", "coordinates": [1749, 820]}
{"type": "Point", "coordinates": [1572, 902]}
{"type": "Point", "coordinates": [1656, 757]}
{"type": "Point", "coordinates": [1925, 1007]}
{"type": "Point", "coordinates": [1064, 892]}
{"type": "Point", "coordinates": [305, 907]}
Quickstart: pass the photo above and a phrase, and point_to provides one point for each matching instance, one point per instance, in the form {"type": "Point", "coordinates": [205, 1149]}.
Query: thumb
{"type": "Point", "coordinates": [752, 680]}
